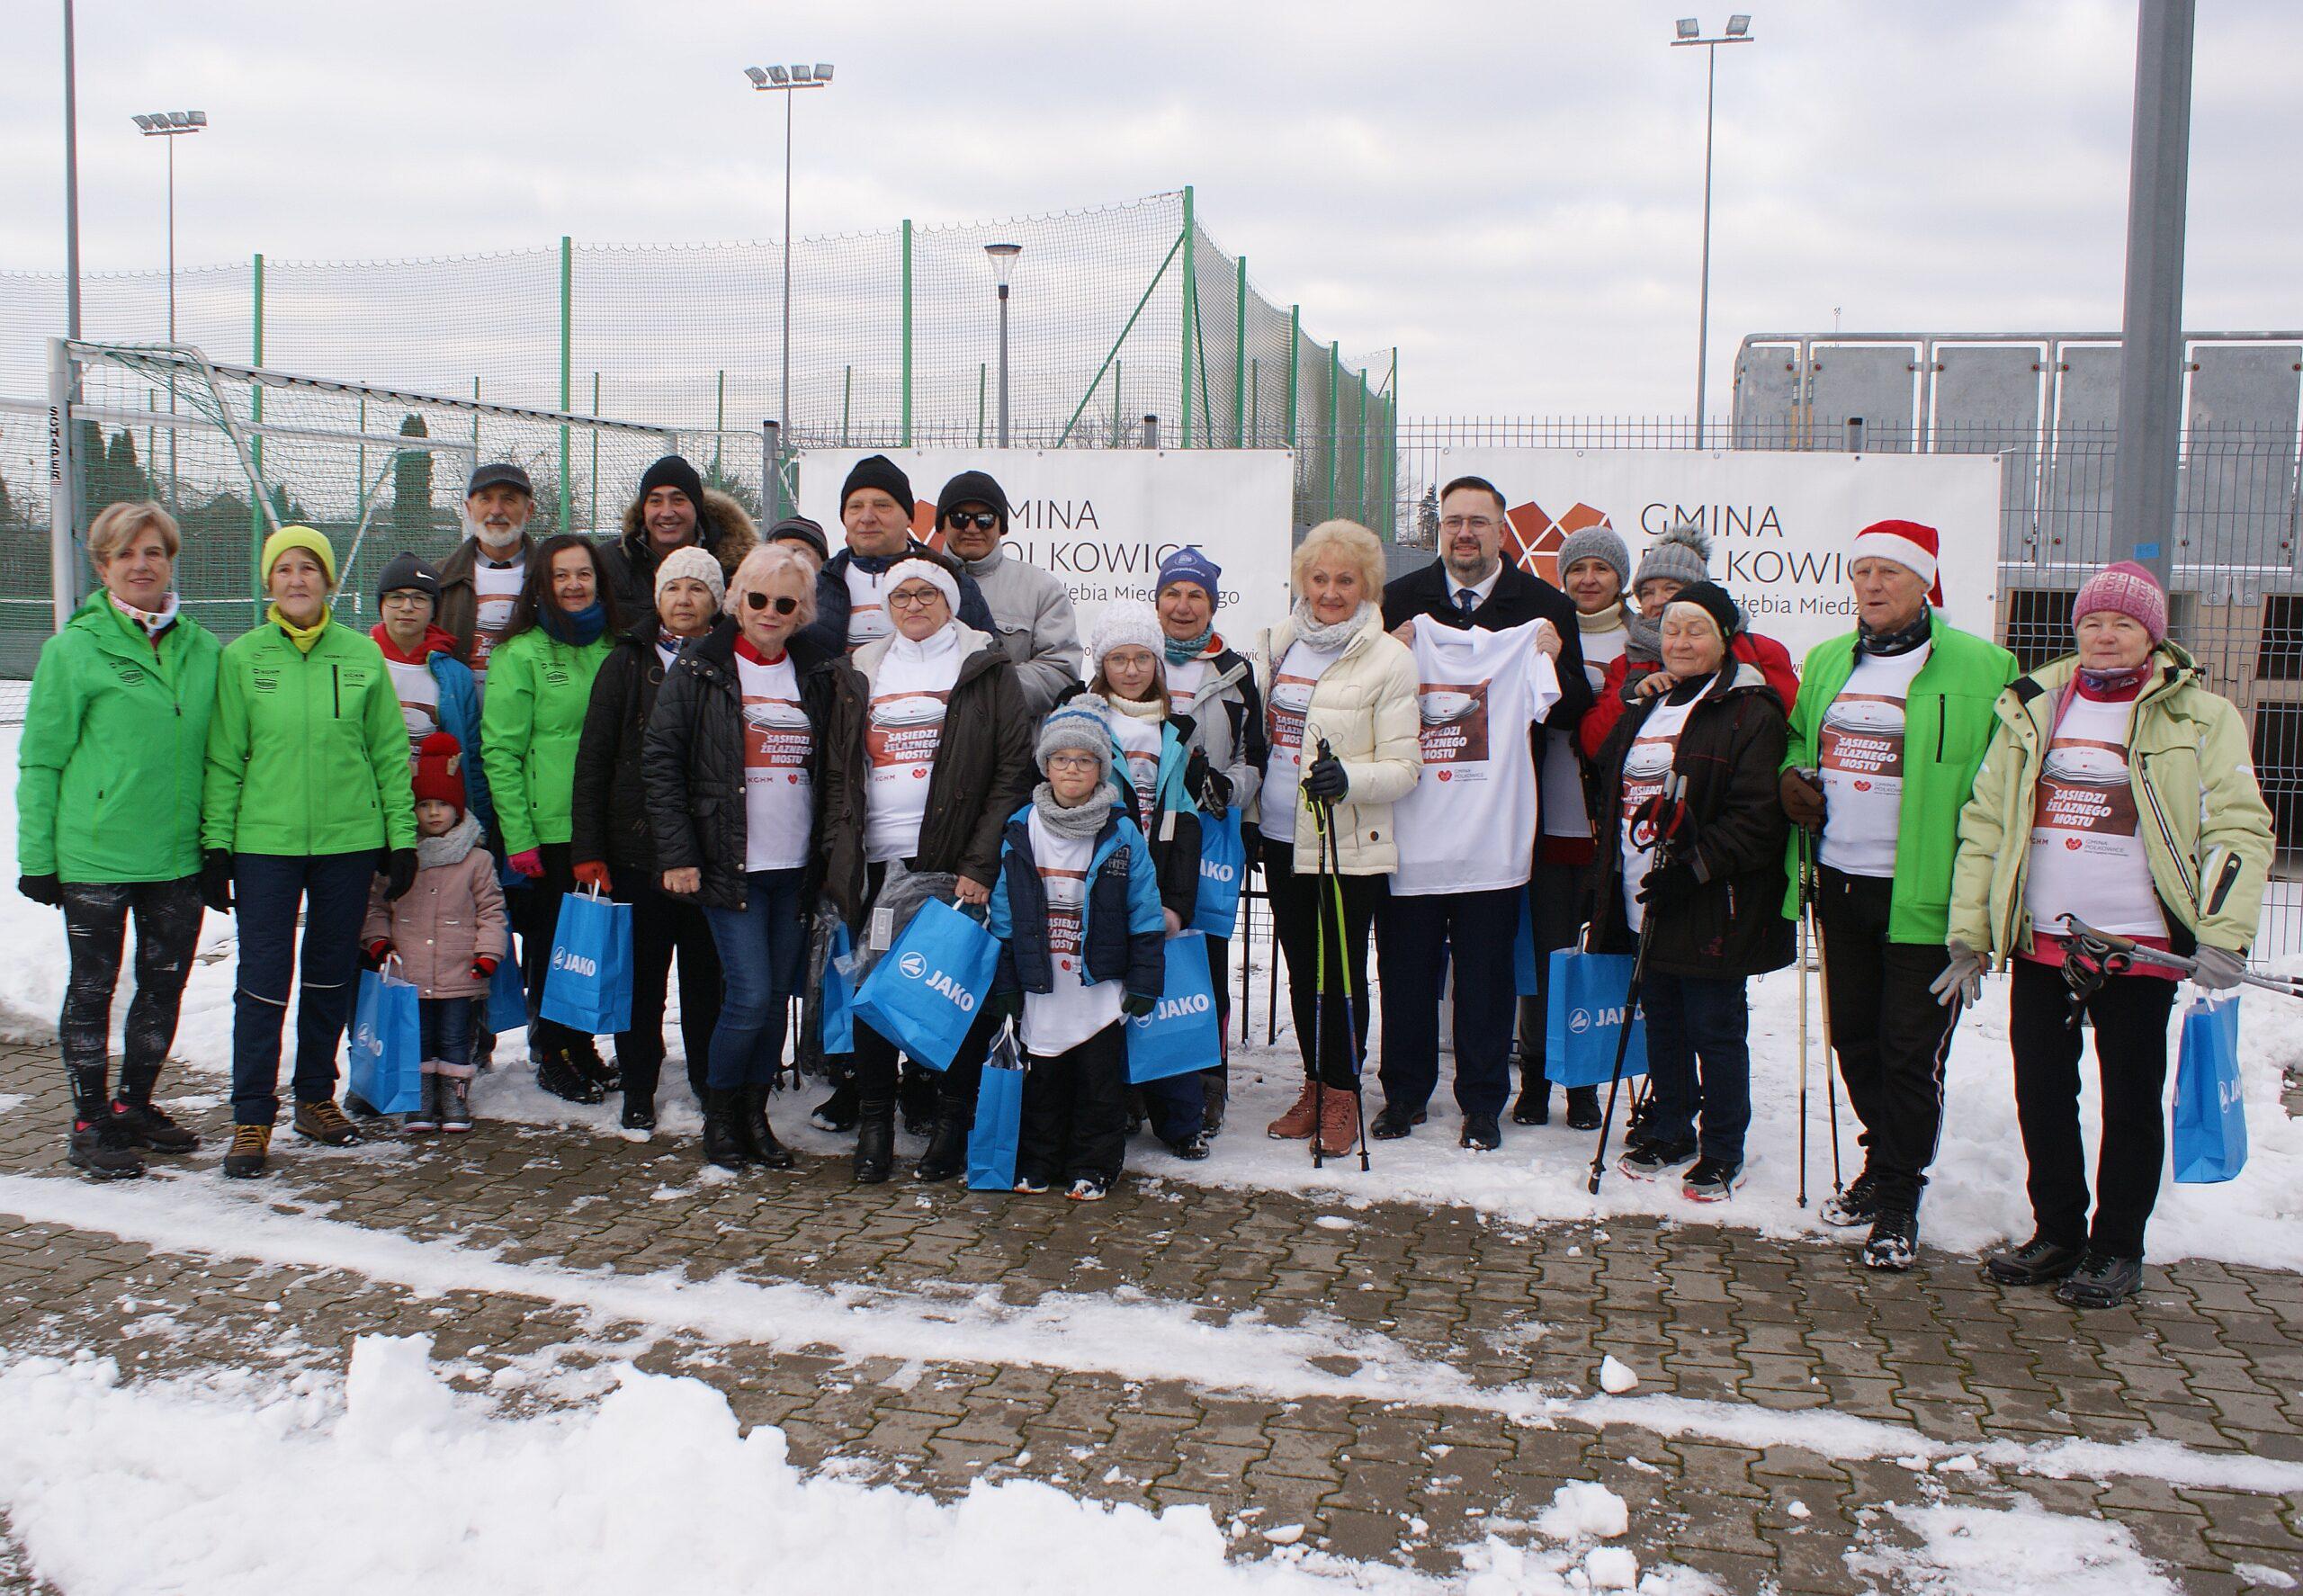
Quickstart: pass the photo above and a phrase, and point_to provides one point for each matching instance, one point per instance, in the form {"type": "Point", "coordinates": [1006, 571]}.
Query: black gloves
{"type": "Point", "coordinates": [400, 875]}
{"type": "Point", "coordinates": [1326, 780]}
{"type": "Point", "coordinates": [1005, 1006]}
{"type": "Point", "coordinates": [1139, 1004]}
{"type": "Point", "coordinates": [42, 889]}
{"type": "Point", "coordinates": [216, 880]}
{"type": "Point", "coordinates": [1196, 772]}
{"type": "Point", "coordinates": [1668, 884]}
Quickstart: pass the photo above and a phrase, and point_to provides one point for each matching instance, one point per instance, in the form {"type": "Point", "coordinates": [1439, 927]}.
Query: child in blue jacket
{"type": "Point", "coordinates": [1081, 949]}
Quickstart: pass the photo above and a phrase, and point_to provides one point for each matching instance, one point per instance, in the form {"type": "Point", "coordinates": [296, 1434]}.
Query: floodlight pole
{"type": "Point", "coordinates": [71, 188]}
{"type": "Point", "coordinates": [1003, 365]}
{"type": "Point", "coordinates": [1703, 313]}
{"type": "Point", "coordinates": [775, 80]}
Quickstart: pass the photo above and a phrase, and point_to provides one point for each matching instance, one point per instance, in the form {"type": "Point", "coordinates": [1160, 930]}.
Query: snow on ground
{"type": "Point", "coordinates": [653, 1487]}
{"type": "Point", "coordinates": [1976, 1197]}
{"type": "Point", "coordinates": [1969, 1550]}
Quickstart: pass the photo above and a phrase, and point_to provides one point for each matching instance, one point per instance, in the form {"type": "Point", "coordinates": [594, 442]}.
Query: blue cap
{"type": "Point", "coordinates": [1189, 565]}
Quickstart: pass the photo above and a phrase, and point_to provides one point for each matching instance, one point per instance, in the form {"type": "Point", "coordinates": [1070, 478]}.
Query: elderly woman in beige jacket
{"type": "Point", "coordinates": [1339, 703]}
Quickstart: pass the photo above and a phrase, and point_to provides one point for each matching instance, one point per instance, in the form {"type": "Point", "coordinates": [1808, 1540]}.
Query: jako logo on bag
{"type": "Point", "coordinates": [1582, 1019]}
{"type": "Point", "coordinates": [575, 963]}
{"type": "Point", "coordinates": [364, 1040]}
{"type": "Point", "coordinates": [944, 986]}
{"type": "Point", "coordinates": [913, 965]}
{"type": "Point", "coordinates": [1213, 871]}
{"type": "Point", "coordinates": [1178, 1007]}
{"type": "Point", "coordinates": [2226, 1095]}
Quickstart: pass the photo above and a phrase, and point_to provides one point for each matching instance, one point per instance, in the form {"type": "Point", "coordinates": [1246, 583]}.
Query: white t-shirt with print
{"type": "Point", "coordinates": [1470, 824]}
{"type": "Point", "coordinates": [495, 590]}
{"type": "Point", "coordinates": [908, 702]}
{"type": "Point", "coordinates": [2087, 855]}
{"type": "Point", "coordinates": [1186, 680]}
{"type": "Point", "coordinates": [779, 798]}
{"type": "Point", "coordinates": [1646, 767]}
{"type": "Point", "coordinates": [1859, 751]}
{"type": "Point", "coordinates": [1060, 1020]}
{"type": "Point", "coordinates": [868, 606]}
{"type": "Point", "coordinates": [1139, 748]}
{"type": "Point", "coordinates": [419, 699]}
{"type": "Point", "coordinates": [1293, 679]}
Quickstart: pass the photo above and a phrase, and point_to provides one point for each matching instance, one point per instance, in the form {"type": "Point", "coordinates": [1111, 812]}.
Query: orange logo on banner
{"type": "Point", "coordinates": [1532, 538]}
{"type": "Point", "coordinates": [924, 526]}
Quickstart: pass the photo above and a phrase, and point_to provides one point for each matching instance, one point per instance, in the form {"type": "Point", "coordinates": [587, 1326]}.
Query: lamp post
{"type": "Point", "coordinates": [1003, 266]}
{"type": "Point", "coordinates": [786, 81]}
{"type": "Point", "coordinates": [1690, 33]}
{"type": "Point", "coordinates": [168, 126]}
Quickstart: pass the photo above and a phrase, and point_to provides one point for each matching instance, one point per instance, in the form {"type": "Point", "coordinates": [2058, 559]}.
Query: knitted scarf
{"type": "Point", "coordinates": [303, 637]}
{"type": "Point", "coordinates": [1902, 639]}
{"type": "Point", "coordinates": [1314, 634]}
{"type": "Point", "coordinates": [1182, 651]}
{"type": "Point", "coordinates": [1644, 636]}
{"type": "Point", "coordinates": [1146, 709]}
{"type": "Point", "coordinates": [1602, 621]}
{"type": "Point", "coordinates": [577, 628]}
{"type": "Point", "coordinates": [1083, 821]}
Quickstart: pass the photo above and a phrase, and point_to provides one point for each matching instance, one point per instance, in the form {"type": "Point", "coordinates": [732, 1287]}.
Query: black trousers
{"type": "Point", "coordinates": [1075, 1112]}
{"type": "Point", "coordinates": [2130, 1015]}
{"type": "Point", "coordinates": [664, 927]}
{"type": "Point", "coordinates": [1891, 1037]}
{"type": "Point", "coordinates": [534, 911]}
{"type": "Point", "coordinates": [167, 915]}
{"type": "Point", "coordinates": [1555, 895]}
{"type": "Point", "coordinates": [1416, 938]}
{"type": "Point", "coordinates": [1304, 908]}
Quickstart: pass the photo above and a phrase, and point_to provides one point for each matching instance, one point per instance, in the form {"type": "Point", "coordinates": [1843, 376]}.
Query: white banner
{"type": "Point", "coordinates": [1101, 520]}
{"type": "Point", "coordinates": [1779, 521]}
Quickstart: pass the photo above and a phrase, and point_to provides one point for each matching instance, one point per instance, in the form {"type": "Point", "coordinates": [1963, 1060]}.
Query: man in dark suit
{"type": "Point", "coordinates": [1471, 584]}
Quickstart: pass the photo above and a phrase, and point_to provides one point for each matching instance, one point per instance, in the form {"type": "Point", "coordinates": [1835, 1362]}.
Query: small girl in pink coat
{"type": "Point", "coordinates": [447, 931]}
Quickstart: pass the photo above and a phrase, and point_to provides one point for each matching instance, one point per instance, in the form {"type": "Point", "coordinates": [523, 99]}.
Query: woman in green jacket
{"type": "Point", "coordinates": [108, 824]}
{"type": "Point", "coordinates": [2120, 792]}
{"type": "Point", "coordinates": [539, 687]}
{"type": "Point", "coordinates": [307, 796]}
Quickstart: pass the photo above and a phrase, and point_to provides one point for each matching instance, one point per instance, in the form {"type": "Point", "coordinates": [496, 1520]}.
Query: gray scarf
{"type": "Point", "coordinates": [1644, 635]}
{"type": "Point", "coordinates": [1327, 639]}
{"type": "Point", "coordinates": [451, 844]}
{"type": "Point", "coordinates": [1083, 821]}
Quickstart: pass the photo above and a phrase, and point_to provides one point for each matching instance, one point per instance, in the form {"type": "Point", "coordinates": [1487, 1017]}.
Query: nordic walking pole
{"type": "Point", "coordinates": [1830, 1059]}
{"type": "Point", "coordinates": [1319, 983]}
{"type": "Point", "coordinates": [1803, 1016]}
{"type": "Point", "coordinates": [1350, 1015]}
{"type": "Point", "coordinates": [1675, 787]}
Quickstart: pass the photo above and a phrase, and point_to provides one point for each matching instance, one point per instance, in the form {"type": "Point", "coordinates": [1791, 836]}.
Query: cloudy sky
{"type": "Point", "coordinates": [1510, 192]}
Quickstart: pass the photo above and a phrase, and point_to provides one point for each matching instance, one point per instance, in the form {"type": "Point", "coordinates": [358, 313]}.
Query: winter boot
{"type": "Point", "coordinates": [1533, 1104]}
{"type": "Point", "coordinates": [104, 1149]}
{"type": "Point", "coordinates": [2037, 1263]}
{"type": "Point", "coordinates": [640, 1078]}
{"type": "Point", "coordinates": [1894, 1241]}
{"type": "Point", "coordinates": [251, 1148]}
{"type": "Point", "coordinates": [875, 1139]}
{"type": "Point", "coordinates": [1217, 1084]}
{"type": "Point", "coordinates": [322, 1121]}
{"type": "Point", "coordinates": [836, 1113]}
{"type": "Point", "coordinates": [152, 1129]}
{"type": "Point", "coordinates": [722, 1143]}
{"type": "Point", "coordinates": [455, 1097]}
{"type": "Point", "coordinates": [1191, 1149]}
{"type": "Point", "coordinates": [2100, 1281]}
{"type": "Point", "coordinates": [1300, 1120]}
{"type": "Point", "coordinates": [605, 1076]}
{"type": "Point", "coordinates": [1339, 1122]}
{"type": "Point", "coordinates": [559, 1074]}
{"type": "Point", "coordinates": [1858, 1205]}
{"type": "Point", "coordinates": [1582, 1107]}
{"type": "Point", "coordinates": [1482, 1133]}
{"type": "Point", "coordinates": [920, 1096]}
{"type": "Point", "coordinates": [426, 1116]}
{"type": "Point", "coordinates": [947, 1146]}
{"type": "Point", "coordinates": [754, 1135]}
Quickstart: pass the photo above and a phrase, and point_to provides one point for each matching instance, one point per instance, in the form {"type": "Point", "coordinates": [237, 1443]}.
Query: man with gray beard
{"type": "Point", "coordinates": [480, 581]}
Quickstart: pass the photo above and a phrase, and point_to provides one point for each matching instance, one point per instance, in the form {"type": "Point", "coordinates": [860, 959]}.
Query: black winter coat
{"type": "Point", "coordinates": [1731, 752]}
{"type": "Point", "coordinates": [983, 772]}
{"type": "Point", "coordinates": [608, 813]}
{"type": "Point", "coordinates": [692, 761]}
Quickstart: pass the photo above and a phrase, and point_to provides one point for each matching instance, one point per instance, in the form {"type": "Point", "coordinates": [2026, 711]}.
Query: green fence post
{"type": "Point", "coordinates": [1119, 421]}
{"type": "Point", "coordinates": [1294, 364]}
{"type": "Point", "coordinates": [907, 333]}
{"type": "Point", "coordinates": [567, 361]}
{"type": "Point", "coordinates": [1335, 424]}
{"type": "Point", "coordinates": [255, 441]}
{"type": "Point", "coordinates": [1239, 357]}
{"type": "Point", "coordinates": [1361, 452]}
{"type": "Point", "coordinates": [1255, 401]}
{"type": "Point", "coordinates": [1190, 246]}
{"type": "Point", "coordinates": [1391, 447]}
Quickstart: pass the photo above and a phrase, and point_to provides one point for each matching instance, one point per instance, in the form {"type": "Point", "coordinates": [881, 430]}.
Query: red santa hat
{"type": "Point", "coordinates": [1907, 543]}
{"type": "Point", "coordinates": [440, 770]}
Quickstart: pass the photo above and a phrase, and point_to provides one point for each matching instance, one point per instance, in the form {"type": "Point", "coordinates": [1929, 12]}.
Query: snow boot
{"type": "Point", "coordinates": [754, 1134]}
{"type": "Point", "coordinates": [1582, 1107]}
{"type": "Point", "coordinates": [1651, 1161]}
{"type": "Point", "coordinates": [104, 1150]}
{"type": "Point", "coordinates": [455, 1097]}
{"type": "Point", "coordinates": [723, 1141]}
{"type": "Point", "coordinates": [1894, 1241]}
{"type": "Point", "coordinates": [426, 1116]}
{"type": "Point", "coordinates": [875, 1139]}
{"type": "Point", "coordinates": [1859, 1204]}
{"type": "Point", "coordinates": [947, 1145]}
{"type": "Point", "coordinates": [1191, 1149]}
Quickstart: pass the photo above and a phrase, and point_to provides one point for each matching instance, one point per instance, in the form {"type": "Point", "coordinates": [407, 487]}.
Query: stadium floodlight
{"type": "Point", "coordinates": [786, 80]}
{"type": "Point", "coordinates": [145, 122]}
{"type": "Point", "coordinates": [167, 126]}
{"type": "Point", "coordinates": [1003, 267]}
{"type": "Point", "coordinates": [1689, 31]}
{"type": "Point", "coordinates": [198, 119]}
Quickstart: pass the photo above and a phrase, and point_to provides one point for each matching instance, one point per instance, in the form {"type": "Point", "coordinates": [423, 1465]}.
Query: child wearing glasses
{"type": "Point", "coordinates": [1076, 912]}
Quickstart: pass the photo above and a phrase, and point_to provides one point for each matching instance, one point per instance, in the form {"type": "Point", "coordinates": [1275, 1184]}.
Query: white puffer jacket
{"type": "Point", "coordinates": [1365, 707]}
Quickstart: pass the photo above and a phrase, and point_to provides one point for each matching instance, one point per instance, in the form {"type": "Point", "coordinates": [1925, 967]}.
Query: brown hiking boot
{"type": "Point", "coordinates": [1339, 1122]}
{"type": "Point", "coordinates": [322, 1121]}
{"type": "Point", "coordinates": [1295, 1124]}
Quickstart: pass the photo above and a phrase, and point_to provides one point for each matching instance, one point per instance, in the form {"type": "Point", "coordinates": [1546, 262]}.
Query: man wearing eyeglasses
{"type": "Point", "coordinates": [875, 511]}
{"type": "Point", "coordinates": [1031, 609]}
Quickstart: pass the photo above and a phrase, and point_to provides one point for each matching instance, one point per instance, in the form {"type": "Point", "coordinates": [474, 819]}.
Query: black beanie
{"type": "Point", "coordinates": [806, 531]}
{"type": "Point", "coordinates": [672, 471]}
{"type": "Point", "coordinates": [877, 470]}
{"type": "Point", "coordinates": [1715, 602]}
{"type": "Point", "coordinates": [973, 488]}
{"type": "Point", "coordinates": [404, 570]}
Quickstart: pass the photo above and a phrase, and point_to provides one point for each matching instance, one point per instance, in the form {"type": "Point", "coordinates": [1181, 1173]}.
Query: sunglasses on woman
{"type": "Point", "coordinates": [982, 520]}
{"type": "Point", "coordinates": [784, 603]}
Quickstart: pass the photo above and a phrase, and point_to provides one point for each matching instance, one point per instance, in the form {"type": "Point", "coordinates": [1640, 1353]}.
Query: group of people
{"type": "Point", "coordinates": [775, 754]}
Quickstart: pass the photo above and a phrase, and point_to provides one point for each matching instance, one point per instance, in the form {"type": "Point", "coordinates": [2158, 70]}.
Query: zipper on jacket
{"type": "Point", "coordinates": [2167, 836]}
{"type": "Point", "coordinates": [1942, 727]}
{"type": "Point", "coordinates": [335, 683]}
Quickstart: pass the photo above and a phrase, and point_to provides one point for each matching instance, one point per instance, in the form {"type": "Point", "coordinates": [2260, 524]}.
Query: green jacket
{"type": "Point", "coordinates": [1947, 726]}
{"type": "Point", "coordinates": [532, 717]}
{"type": "Point", "coordinates": [108, 785]}
{"type": "Point", "coordinates": [2205, 828]}
{"type": "Point", "coordinates": [306, 753]}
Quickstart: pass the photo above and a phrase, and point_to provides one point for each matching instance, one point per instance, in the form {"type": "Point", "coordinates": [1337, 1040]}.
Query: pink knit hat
{"type": "Point", "coordinates": [2127, 589]}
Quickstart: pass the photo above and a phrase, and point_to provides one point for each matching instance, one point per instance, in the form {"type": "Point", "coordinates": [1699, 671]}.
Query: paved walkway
{"type": "Point", "coordinates": [2211, 1360]}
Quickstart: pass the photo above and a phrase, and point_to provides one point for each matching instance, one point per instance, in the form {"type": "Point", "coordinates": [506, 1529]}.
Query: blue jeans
{"type": "Point", "coordinates": [446, 1026]}
{"type": "Point", "coordinates": [762, 946]}
{"type": "Point", "coordinates": [266, 890]}
{"type": "Point", "coordinates": [1692, 1018]}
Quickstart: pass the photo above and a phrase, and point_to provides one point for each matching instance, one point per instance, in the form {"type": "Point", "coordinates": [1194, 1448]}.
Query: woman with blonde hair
{"type": "Point", "coordinates": [1340, 698]}
{"type": "Point", "coordinates": [741, 710]}
{"type": "Point", "coordinates": [108, 824]}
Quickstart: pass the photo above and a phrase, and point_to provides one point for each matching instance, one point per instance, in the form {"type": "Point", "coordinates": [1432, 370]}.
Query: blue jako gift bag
{"type": "Point", "coordinates": [1182, 1033]}
{"type": "Point", "coordinates": [923, 993]}
{"type": "Point", "coordinates": [838, 1034]}
{"type": "Point", "coordinates": [386, 1044]}
{"type": "Point", "coordinates": [507, 994]}
{"type": "Point", "coordinates": [1222, 872]}
{"type": "Point", "coordinates": [1585, 1016]}
{"type": "Point", "coordinates": [998, 1117]}
{"type": "Point", "coordinates": [588, 987]}
{"type": "Point", "coordinates": [2210, 1139]}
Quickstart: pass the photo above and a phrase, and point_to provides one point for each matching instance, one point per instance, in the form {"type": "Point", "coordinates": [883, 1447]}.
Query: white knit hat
{"type": "Point", "coordinates": [934, 573]}
{"type": "Point", "coordinates": [688, 561]}
{"type": "Point", "coordinates": [1127, 622]}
